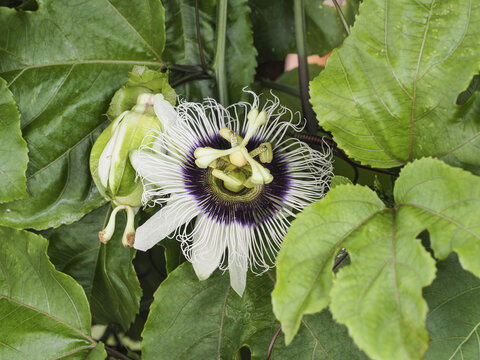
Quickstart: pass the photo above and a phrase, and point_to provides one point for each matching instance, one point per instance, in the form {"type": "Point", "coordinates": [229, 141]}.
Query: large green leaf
{"type": "Point", "coordinates": [446, 201]}
{"type": "Point", "coordinates": [454, 315]}
{"type": "Point", "coordinates": [13, 149]}
{"type": "Point", "coordinates": [62, 89]}
{"type": "Point", "coordinates": [105, 271]}
{"type": "Point", "coordinates": [378, 296]}
{"type": "Point", "coordinates": [44, 313]}
{"type": "Point", "coordinates": [192, 319]}
{"type": "Point", "coordinates": [182, 45]}
{"type": "Point", "coordinates": [389, 94]}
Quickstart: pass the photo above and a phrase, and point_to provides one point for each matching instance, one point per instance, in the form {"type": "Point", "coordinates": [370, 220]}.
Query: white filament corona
{"type": "Point", "coordinates": [250, 231]}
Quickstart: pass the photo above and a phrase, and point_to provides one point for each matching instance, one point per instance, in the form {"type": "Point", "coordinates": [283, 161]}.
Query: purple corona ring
{"type": "Point", "coordinates": [235, 175]}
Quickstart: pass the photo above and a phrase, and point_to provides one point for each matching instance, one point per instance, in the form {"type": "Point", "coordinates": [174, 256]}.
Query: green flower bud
{"type": "Point", "coordinates": [111, 169]}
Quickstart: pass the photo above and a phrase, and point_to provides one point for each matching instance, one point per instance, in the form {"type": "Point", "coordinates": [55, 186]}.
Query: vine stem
{"type": "Point", "coordinates": [116, 354]}
{"type": "Point", "coordinates": [190, 77]}
{"type": "Point", "coordinates": [183, 68]}
{"type": "Point", "coordinates": [219, 65]}
{"type": "Point", "coordinates": [280, 87]}
{"type": "Point", "coordinates": [321, 141]}
{"type": "Point", "coordinates": [301, 40]}
{"type": "Point", "coordinates": [342, 17]}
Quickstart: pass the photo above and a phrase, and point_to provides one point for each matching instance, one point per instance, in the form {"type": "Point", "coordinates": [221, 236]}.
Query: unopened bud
{"type": "Point", "coordinates": [109, 163]}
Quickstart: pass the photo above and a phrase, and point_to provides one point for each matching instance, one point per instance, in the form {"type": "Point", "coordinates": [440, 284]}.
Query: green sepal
{"type": "Point", "coordinates": [127, 132]}
{"type": "Point", "coordinates": [142, 80]}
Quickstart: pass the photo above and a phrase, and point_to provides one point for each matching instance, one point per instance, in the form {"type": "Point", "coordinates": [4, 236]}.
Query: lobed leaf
{"type": "Point", "coordinates": [389, 94]}
{"type": "Point", "coordinates": [63, 63]}
{"type": "Point", "coordinates": [44, 313]}
{"type": "Point", "coordinates": [378, 296]}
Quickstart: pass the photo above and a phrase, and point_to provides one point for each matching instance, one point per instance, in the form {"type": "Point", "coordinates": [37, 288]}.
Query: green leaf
{"type": "Point", "coordinates": [339, 180]}
{"type": "Point", "coordinates": [446, 201]}
{"type": "Point", "coordinates": [173, 254]}
{"type": "Point", "coordinates": [365, 294]}
{"type": "Point", "coordinates": [240, 54]}
{"type": "Point", "coordinates": [13, 149]}
{"type": "Point", "coordinates": [142, 80]}
{"type": "Point", "coordinates": [454, 315]}
{"type": "Point", "coordinates": [181, 36]}
{"type": "Point", "coordinates": [63, 89]}
{"type": "Point", "coordinates": [182, 46]}
{"type": "Point", "coordinates": [192, 319]}
{"type": "Point", "coordinates": [325, 30]}
{"type": "Point", "coordinates": [378, 296]}
{"type": "Point", "coordinates": [274, 27]}
{"type": "Point", "coordinates": [44, 313]}
{"type": "Point", "coordinates": [105, 271]}
{"type": "Point", "coordinates": [389, 94]}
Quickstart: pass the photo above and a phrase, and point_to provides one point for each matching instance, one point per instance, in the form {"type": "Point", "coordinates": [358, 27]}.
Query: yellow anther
{"type": "Point", "coordinates": [266, 155]}
{"type": "Point", "coordinates": [264, 152]}
{"type": "Point", "coordinates": [231, 136]}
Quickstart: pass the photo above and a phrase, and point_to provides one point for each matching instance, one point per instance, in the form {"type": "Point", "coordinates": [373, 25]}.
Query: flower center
{"type": "Point", "coordinates": [236, 167]}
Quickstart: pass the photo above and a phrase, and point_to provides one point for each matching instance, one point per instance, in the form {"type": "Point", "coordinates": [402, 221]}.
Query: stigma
{"type": "Point", "coordinates": [236, 167]}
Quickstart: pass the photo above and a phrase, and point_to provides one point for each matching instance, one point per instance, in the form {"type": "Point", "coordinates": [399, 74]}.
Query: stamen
{"type": "Point", "coordinates": [206, 155]}
{"type": "Point", "coordinates": [255, 120]}
{"type": "Point", "coordinates": [264, 152]}
{"type": "Point", "coordinates": [260, 174]}
{"type": "Point", "coordinates": [230, 136]}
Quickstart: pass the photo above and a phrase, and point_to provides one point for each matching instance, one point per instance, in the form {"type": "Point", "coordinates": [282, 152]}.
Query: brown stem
{"type": "Point", "coordinates": [116, 354]}
{"type": "Point", "coordinates": [190, 77]}
{"type": "Point", "coordinates": [272, 343]}
{"type": "Point", "coordinates": [340, 259]}
{"type": "Point", "coordinates": [199, 39]}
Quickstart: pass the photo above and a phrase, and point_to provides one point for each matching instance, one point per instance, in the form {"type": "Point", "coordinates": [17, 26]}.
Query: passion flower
{"type": "Point", "coordinates": [233, 172]}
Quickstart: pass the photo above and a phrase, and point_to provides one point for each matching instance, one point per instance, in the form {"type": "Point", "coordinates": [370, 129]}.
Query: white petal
{"type": "Point", "coordinates": [208, 246]}
{"type": "Point", "coordinates": [106, 159]}
{"type": "Point", "coordinates": [165, 111]}
{"type": "Point", "coordinates": [238, 246]}
{"type": "Point", "coordinates": [157, 169]}
{"type": "Point", "coordinates": [178, 211]}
